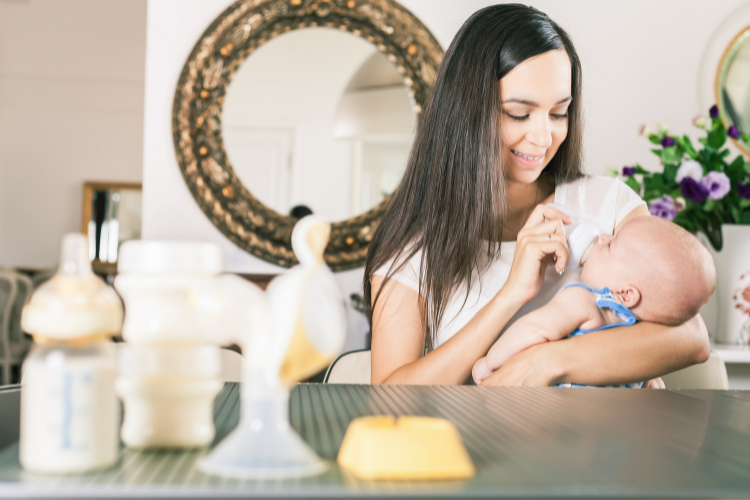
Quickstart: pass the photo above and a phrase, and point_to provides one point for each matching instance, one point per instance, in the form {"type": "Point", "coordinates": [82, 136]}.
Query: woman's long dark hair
{"type": "Point", "coordinates": [452, 195]}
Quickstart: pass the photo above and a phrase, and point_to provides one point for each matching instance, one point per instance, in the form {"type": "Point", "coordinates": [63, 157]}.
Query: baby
{"type": "Point", "coordinates": [653, 270]}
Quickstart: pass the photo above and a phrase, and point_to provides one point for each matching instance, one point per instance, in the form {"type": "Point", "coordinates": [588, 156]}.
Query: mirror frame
{"type": "Point", "coordinates": [196, 115]}
{"type": "Point", "coordinates": [720, 75]}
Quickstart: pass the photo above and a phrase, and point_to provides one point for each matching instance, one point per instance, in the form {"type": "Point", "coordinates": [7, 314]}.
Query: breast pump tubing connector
{"type": "Point", "coordinates": [581, 234]}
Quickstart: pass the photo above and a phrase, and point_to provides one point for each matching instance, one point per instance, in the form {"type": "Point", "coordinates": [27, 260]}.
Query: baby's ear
{"type": "Point", "coordinates": [629, 296]}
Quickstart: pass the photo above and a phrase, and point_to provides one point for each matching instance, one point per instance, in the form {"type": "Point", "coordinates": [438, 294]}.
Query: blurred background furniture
{"type": "Point", "coordinates": [709, 375]}
{"type": "Point", "coordinates": [350, 368]}
{"type": "Point", "coordinates": [15, 291]}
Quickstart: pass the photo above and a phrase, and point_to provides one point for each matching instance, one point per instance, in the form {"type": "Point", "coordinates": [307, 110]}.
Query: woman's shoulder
{"type": "Point", "coordinates": [404, 267]}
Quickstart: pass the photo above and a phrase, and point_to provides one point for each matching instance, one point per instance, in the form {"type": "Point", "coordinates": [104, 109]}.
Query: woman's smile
{"type": "Point", "coordinates": [530, 160]}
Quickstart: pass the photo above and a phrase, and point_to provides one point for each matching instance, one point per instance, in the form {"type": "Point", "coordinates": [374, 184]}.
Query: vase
{"type": "Point", "coordinates": [733, 285]}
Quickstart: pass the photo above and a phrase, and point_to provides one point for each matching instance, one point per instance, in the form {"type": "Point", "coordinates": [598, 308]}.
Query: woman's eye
{"type": "Point", "coordinates": [559, 117]}
{"type": "Point", "coordinates": [516, 118]}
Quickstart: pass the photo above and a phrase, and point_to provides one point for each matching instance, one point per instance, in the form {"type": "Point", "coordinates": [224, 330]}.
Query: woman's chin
{"type": "Point", "coordinates": [523, 175]}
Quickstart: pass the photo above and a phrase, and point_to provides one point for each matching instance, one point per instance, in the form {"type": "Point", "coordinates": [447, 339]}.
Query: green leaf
{"type": "Point", "coordinates": [641, 170]}
{"type": "Point", "coordinates": [736, 169]}
{"type": "Point", "coordinates": [655, 139]}
{"type": "Point", "coordinates": [736, 215]}
{"type": "Point", "coordinates": [745, 217]}
{"type": "Point", "coordinates": [744, 203]}
{"type": "Point", "coordinates": [709, 205]}
{"type": "Point", "coordinates": [672, 155]}
{"type": "Point", "coordinates": [717, 137]}
{"type": "Point", "coordinates": [687, 145]}
{"type": "Point", "coordinates": [633, 184]}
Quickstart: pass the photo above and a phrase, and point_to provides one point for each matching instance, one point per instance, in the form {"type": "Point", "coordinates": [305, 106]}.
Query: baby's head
{"type": "Point", "coordinates": [655, 268]}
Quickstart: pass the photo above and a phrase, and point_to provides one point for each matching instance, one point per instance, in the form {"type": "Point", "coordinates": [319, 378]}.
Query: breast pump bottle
{"type": "Point", "coordinates": [69, 411]}
{"type": "Point", "coordinates": [582, 235]}
{"type": "Point", "coordinates": [169, 371]}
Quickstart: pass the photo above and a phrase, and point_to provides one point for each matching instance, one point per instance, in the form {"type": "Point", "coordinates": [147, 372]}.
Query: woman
{"type": "Point", "coordinates": [468, 243]}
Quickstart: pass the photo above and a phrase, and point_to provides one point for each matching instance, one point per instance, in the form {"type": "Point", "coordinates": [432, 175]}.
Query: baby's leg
{"type": "Point", "coordinates": [480, 371]}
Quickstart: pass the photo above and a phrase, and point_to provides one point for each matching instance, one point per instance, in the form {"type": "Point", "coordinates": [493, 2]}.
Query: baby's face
{"type": "Point", "coordinates": [610, 257]}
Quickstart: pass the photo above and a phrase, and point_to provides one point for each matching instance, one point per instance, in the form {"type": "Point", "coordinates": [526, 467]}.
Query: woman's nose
{"type": "Point", "coordinates": [541, 134]}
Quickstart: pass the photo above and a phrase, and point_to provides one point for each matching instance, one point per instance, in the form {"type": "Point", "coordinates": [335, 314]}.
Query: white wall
{"type": "Point", "coordinates": [640, 61]}
{"type": "Point", "coordinates": [71, 110]}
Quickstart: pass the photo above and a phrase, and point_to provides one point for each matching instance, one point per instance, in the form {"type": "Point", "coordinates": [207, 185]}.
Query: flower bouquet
{"type": "Point", "coordinates": [698, 189]}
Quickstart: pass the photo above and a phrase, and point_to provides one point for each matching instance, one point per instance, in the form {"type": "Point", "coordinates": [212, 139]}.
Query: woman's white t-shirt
{"type": "Point", "coordinates": [605, 200]}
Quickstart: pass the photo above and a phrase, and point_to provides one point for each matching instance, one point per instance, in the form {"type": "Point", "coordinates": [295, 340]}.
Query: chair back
{"type": "Point", "coordinates": [350, 368]}
{"type": "Point", "coordinates": [709, 375]}
{"type": "Point", "coordinates": [24, 288]}
{"type": "Point", "coordinates": [8, 287]}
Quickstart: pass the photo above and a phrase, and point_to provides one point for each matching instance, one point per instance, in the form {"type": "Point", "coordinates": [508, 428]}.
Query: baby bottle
{"type": "Point", "coordinates": [69, 411]}
{"type": "Point", "coordinates": [169, 375]}
{"type": "Point", "coordinates": [582, 235]}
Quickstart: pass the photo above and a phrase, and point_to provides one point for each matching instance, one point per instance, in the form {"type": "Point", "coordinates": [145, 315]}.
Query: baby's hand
{"type": "Point", "coordinates": [480, 370]}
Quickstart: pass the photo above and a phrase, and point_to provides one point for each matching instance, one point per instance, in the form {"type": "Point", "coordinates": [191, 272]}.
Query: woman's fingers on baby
{"type": "Point", "coordinates": [542, 212]}
{"type": "Point", "coordinates": [553, 244]}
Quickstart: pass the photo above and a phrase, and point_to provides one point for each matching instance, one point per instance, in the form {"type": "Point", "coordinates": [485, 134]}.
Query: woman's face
{"type": "Point", "coordinates": [535, 97]}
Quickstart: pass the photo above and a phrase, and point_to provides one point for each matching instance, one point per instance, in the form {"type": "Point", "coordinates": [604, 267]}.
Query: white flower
{"type": "Point", "coordinates": [644, 131]}
{"type": "Point", "coordinates": [690, 168]}
{"type": "Point", "coordinates": [662, 127]}
{"type": "Point", "coordinates": [701, 121]}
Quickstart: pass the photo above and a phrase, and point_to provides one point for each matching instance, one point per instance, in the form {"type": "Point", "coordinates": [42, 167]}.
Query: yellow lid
{"type": "Point", "coordinates": [74, 303]}
{"type": "Point", "coordinates": [407, 448]}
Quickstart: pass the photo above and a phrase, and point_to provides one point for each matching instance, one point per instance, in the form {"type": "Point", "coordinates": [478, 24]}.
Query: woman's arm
{"type": "Point", "coordinates": [398, 338]}
{"type": "Point", "coordinates": [620, 355]}
{"type": "Point", "coordinates": [398, 334]}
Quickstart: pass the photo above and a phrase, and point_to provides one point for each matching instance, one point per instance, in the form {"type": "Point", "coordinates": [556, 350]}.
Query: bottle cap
{"type": "Point", "coordinates": [74, 303]}
{"type": "Point", "coordinates": [166, 257]}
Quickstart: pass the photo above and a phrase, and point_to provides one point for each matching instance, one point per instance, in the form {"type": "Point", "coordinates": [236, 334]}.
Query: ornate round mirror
{"type": "Point", "coordinates": [733, 85]}
{"type": "Point", "coordinates": [320, 118]}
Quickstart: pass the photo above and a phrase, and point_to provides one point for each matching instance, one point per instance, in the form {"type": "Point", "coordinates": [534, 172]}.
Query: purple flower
{"type": "Point", "coordinates": [743, 191]}
{"type": "Point", "coordinates": [663, 207]}
{"type": "Point", "coordinates": [717, 183]}
{"type": "Point", "coordinates": [628, 171]}
{"type": "Point", "coordinates": [667, 141]}
{"type": "Point", "coordinates": [733, 132]}
{"type": "Point", "coordinates": [693, 190]}
{"type": "Point", "coordinates": [714, 111]}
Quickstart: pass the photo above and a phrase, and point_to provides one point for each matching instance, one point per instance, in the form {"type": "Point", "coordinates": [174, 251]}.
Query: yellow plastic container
{"type": "Point", "coordinates": [407, 448]}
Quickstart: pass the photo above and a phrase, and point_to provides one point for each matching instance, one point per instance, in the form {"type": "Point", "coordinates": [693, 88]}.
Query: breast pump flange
{"type": "Point", "coordinates": [581, 234]}
{"type": "Point", "coordinates": [295, 329]}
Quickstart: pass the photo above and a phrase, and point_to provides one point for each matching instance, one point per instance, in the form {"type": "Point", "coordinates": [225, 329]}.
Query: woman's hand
{"type": "Point", "coordinates": [533, 367]}
{"type": "Point", "coordinates": [540, 242]}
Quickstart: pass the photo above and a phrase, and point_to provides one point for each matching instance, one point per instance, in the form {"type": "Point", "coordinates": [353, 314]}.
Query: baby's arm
{"type": "Point", "coordinates": [570, 309]}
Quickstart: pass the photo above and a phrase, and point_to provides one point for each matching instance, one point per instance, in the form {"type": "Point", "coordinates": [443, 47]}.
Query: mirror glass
{"type": "Point", "coordinates": [318, 117]}
{"type": "Point", "coordinates": [734, 83]}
